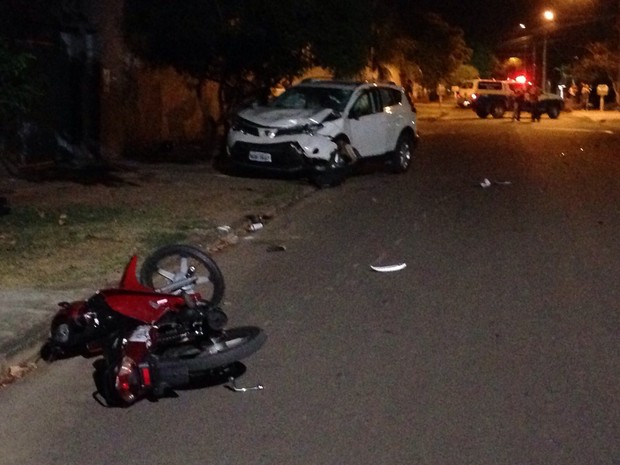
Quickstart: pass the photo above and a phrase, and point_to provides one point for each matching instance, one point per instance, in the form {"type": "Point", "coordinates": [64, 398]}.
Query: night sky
{"type": "Point", "coordinates": [492, 21]}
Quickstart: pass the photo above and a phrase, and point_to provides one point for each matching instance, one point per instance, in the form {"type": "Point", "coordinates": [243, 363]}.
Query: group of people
{"type": "Point", "coordinates": [580, 95]}
{"type": "Point", "coordinates": [526, 96]}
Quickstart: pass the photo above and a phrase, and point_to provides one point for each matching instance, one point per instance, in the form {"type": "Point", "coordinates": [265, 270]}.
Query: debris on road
{"type": "Point", "coordinates": [256, 222]}
{"type": "Point", "coordinates": [276, 248]}
{"type": "Point", "coordinates": [488, 183]}
{"type": "Point", "coordinates": [388, 268]}
{"type": "Point", "coordinates": [16, 372]}
{"type": "Point", "coordinates": [232, 385]}
{"type": "Point", "coordinates": [485, 183]}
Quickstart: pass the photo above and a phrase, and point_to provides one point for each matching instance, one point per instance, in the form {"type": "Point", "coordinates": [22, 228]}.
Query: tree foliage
{"type": "Point", "coordinates": [248, 46]}
{"type": "Point", "coordinates": [441, 49]}
{"type": "Point", "coordinates": [600, 63]}
{"type": "Point", "coordinates": [423, 45]}
{"type": "Point", "coordinates": [17, 90]}
{"type": "Point", "coordinates": [484, 61]}
{"type": "Point", "coordinates": [463, 73]}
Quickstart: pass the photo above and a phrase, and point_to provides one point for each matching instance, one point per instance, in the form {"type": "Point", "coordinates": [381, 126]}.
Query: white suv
{"type": "Point", "coordinates": [470, 90]}
{"type": "Point", "coordinates": [319, 128]}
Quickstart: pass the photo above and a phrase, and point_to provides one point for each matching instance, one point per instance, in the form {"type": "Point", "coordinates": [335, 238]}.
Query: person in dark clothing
{"type": "Point", "coordinates": [585, 95]}
{"type": "Point", "coordinates": [534, 94]}
{"type": "Point", "coordinates": [517, 103]}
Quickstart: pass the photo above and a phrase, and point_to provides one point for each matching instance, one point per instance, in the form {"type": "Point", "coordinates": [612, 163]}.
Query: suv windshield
{"type": "Point", "coordinates": [313, 97]}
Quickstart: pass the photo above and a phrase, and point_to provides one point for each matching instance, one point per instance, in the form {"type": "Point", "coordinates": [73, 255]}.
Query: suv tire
{"type": "Point", "coordinates": [403, 153]}
{"type": "Point", "coordinates": [336, 171]}
{"type": "Point", "coordinates": [482, 112]}
{"type": "Point", "coordinates": [553, 111]}
{"type": "Point", "coordinates": [498, 110]}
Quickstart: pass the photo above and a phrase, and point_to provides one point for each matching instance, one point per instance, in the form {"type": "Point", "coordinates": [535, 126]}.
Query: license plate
{"type": "Point", "coordinates": [260, 156]}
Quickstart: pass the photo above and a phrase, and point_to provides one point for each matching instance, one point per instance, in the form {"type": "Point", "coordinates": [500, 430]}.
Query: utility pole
{"type": "Point", "coordinates": [618, 77]}
{"type": "Point", "coordinates": [544, 63]}
{"type": "Point", "coordinates": [549, 16]}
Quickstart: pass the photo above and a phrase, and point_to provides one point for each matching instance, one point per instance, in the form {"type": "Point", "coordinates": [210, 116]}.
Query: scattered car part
{"type": "Point", "coordinates": [388, 268]}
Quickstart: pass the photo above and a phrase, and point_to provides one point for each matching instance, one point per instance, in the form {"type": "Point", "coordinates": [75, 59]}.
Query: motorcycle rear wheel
{"type": "Point", "coordinates": [168, 267]}
{"type": "Point", "coordinates": [231, 346]}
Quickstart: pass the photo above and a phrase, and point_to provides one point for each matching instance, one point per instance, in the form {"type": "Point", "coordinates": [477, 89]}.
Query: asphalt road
{"type": "Point", "coordinates": [497, 344]}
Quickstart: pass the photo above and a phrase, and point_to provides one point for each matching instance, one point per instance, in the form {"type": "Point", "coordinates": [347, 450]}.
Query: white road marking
{"type": "Point", "coordinates": [604, 131]}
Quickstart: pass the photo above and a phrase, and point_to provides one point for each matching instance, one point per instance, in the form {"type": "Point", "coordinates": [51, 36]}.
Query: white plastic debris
{"type": "Point", "coordinates": [388, 268]}
{"type": "Point", "coordinates": [488, 183]}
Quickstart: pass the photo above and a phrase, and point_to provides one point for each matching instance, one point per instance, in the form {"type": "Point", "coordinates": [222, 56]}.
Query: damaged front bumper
{"type": "Point", "coordinates": [301, 155]}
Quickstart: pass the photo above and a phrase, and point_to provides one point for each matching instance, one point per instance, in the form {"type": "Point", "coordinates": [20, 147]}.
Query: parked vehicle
{"type": "Point", "coordinates": [471, 89]}
{"type": "Point", "coordinates": [156, 332]}
{"type": "Point", "coordinates": [319, 128]}
{"type": "Point", "coordinates": [496, 105]}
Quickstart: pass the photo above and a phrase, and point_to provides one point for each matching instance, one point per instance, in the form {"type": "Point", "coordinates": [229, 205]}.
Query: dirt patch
{"type": "Point", "coordinates": [72, 230]}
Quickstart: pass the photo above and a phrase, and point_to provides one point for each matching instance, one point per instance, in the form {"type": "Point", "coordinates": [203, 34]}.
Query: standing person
{"type": "Point", "coordinates": [409, 89]}
{"type": "Point", "coordinates": [441, 92]}
{"type": "Point", "coordinates": [517, 103]}
{"type": "Point", "coordinates": [572, 91]}
{"type": "Point", "coordinates": [585, 95]}
{"type": "Point", "coordinates": [534, 94]}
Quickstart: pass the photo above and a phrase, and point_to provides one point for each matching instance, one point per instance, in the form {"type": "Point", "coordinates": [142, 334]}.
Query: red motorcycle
{"type": "Point", "coordinates": [157, 331]}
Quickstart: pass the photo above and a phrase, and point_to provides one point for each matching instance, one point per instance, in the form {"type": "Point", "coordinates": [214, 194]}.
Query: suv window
{"type": "Point", "coordinates": [484, 85]}
{"type": "Point", "coordinates": [390, 97]}
{"type": "Point", "coordinates": [366, 104]}
{"type": "Point", "coordinates": [363, 105]}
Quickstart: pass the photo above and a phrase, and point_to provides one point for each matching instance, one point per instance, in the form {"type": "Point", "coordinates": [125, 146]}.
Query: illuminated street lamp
{"type": "Point", "coordinates": [548, 16]}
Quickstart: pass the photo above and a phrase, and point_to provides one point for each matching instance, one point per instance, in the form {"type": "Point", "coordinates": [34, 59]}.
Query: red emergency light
{"type": "Point", "coordinates": [521, 79]}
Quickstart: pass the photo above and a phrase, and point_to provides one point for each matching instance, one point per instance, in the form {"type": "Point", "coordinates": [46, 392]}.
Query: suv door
{"type": "Point", "coordinates": [393, 110]}
{"type": "Point", "coordinates": [368, 124]}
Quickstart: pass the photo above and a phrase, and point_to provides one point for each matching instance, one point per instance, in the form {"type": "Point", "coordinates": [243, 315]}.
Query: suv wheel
{"type": "Point", "coordinates": [334, 172]}
{"type": "Point", "coordinates": [401, 158]}
{"type": "Point", "coordinates": [498, 110]}
{"type": "Point", "coordinates": [553, 111]}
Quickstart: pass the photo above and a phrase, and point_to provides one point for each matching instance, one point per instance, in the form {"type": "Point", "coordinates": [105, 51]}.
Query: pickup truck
{"type": "Point", "coordinates": [496, 105]}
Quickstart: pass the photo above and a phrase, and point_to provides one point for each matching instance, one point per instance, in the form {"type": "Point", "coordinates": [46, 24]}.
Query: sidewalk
{"type": "Point", "coordinates": [25, 314]}
{"type": "Point", "coordinates": [432, 111]}
{"type": "Point", "coordinates": [597, 115]}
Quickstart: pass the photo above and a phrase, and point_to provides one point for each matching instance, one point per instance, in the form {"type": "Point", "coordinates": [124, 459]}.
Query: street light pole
{"type": "Point", "coordinates": [548, 15]}
{"type": "Point", "coordinates": [544, 63]}
{"type": "Point", "coordinates": [524, 64]}
{"type": "Point", "coordinates": [618, 83]}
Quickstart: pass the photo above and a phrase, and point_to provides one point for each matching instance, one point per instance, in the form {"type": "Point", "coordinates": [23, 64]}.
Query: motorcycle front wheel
{"type": "Point", "coordinates": [180, 268]}
{"type": "Point", "coordinates": [230, 346]}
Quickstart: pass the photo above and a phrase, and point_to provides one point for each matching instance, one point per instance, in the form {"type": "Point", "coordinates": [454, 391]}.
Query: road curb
{"type": "Point", "coordinates": [23, 350]}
